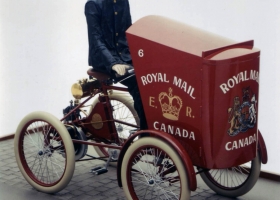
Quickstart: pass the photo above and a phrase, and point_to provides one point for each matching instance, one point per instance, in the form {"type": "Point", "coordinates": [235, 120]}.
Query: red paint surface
{"type": "Point", "coordinates": [169, 66]}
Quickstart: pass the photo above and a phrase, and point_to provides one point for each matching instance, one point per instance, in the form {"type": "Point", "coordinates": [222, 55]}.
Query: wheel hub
{"type": "Point", "coordinates": [154, 180]}
{"type": "Point", "coordinates": [151, 182]}
{"type": "Point", "coordinates": [40, 153]}
{"type": "Point", "coordinates": [119, 128]}
{"type": "Point", "coordinates": [45, 151]}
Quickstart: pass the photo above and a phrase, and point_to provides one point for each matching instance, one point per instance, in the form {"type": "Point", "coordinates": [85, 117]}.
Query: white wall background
{"type": "Point", "coordinates": [43, 51]}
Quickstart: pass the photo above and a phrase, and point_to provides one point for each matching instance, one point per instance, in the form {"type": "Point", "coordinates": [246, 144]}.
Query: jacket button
{"type": "Point", "coordinates": [117, 34]}
{"type": "Point", "coordinates": [116, 13]}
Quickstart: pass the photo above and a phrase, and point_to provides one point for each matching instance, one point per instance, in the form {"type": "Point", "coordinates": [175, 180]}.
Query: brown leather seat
{"type": "Point", "coordinates": [98, 75]}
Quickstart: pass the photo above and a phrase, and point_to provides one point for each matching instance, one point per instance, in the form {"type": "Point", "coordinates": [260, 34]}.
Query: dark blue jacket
{"type": "Point", "coordinates": [107, 21]}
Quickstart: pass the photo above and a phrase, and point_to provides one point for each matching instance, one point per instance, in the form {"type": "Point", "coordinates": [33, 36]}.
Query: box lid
{"type": "Point", "coordinates": [189, 39]}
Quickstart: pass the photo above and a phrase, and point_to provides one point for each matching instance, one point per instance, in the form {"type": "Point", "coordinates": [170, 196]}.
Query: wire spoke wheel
{"type": "Point", "coordinates": [123, 110]}
{"type": "Point", "coordinates": [44, 152]}
{"type": "Point", "coordinates": [151, 169]}
{"type": "Point", "coordinates": [234, 181]}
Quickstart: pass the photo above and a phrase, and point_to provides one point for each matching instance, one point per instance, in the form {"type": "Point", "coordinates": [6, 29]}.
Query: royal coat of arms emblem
{"type": "Point", "coordinates": [242, 115]}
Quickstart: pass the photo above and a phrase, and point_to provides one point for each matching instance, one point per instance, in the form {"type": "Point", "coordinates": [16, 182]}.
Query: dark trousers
{"type": "Point", "coordinates": [133, 89]}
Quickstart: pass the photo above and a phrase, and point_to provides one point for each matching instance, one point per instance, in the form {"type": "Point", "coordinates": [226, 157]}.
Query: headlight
{"type": "Point", "coordinates": [77, 91]}
{"type": "Point", "coordinates": [84, 88]}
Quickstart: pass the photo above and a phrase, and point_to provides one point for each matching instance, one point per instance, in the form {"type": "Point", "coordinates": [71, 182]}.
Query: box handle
{"type": "Point", "coordinates": [210, 53]}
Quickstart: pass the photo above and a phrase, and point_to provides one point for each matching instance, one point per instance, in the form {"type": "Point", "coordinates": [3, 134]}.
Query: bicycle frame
{"type": "Point", "coordinates": [108, 133]}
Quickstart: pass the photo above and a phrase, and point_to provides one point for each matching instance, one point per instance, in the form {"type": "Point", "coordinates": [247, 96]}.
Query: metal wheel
{"type": "Point", "coordinates": [151, 169]}
{"type": "Point", "coordinates": [234, 181]}
{"type": "Point", "coordinates": [44, 152]}
{"type": "Point", "coordinates": [123, 110]}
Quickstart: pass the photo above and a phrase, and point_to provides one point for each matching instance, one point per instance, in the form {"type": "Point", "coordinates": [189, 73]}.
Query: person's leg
{"type": "Point", "coordinates": [133, 89]}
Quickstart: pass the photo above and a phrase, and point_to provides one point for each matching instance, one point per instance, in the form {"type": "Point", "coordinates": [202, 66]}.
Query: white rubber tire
{"type": "Point", "coordinates": [68, 145]}
{"type": "Point", "coordinates": [154, 142]}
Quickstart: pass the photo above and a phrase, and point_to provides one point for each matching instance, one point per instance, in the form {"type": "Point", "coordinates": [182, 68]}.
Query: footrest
{"type": "Point", "coordinates": [98, 170]}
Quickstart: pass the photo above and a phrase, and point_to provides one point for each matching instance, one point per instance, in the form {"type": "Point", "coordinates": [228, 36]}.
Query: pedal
{"type": "Point", "coordinates": [99, 170]}
{"type": "Point", "coordinates": [94, 169]}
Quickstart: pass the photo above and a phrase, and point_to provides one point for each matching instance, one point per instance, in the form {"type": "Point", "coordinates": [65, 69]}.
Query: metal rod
{"type": "Point", "coordinates": [110, 87]}
{"type": "Point", "coordinates": [97, 144]}
{"type": "Point", "coordinates": [92, 95]}
{"type": "Point", "coordinates": [93, 158]}
{"type": "Point", "coordinates": [125, 123]}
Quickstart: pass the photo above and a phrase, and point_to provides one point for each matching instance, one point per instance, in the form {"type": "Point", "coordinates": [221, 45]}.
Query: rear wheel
{"type": "Point", "coordinates": [123, 109]}
{"type": "Point", "coordinates": [151, 169]}
{"type": "Point", "coordinates": [234, 181]}
{"type": "Point", "coordinates": [44, 152]}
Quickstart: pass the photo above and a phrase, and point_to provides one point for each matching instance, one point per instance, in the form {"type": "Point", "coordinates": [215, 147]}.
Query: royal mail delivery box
{"type": "Point", "coordinates": [199, 87]}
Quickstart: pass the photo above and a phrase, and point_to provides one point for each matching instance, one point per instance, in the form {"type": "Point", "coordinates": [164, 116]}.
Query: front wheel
{"type": "Point", "coordinates": [44, 152]}
{"type": "Point", "coordinates": [151, 169]}
{"type": "Point", "coordinates": [234, 181]}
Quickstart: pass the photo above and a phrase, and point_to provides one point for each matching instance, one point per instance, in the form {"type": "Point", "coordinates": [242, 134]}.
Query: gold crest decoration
{"type": "Point", "coordinates": [170, 105]}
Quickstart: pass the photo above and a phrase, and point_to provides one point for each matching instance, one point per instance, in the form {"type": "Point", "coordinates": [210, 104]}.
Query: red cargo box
{"type": "Point", "coordinates": [199, 87]}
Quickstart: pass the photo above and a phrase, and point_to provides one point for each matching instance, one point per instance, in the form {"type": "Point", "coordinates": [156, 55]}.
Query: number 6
{"type": "Point", "coordinates": [140, 53]}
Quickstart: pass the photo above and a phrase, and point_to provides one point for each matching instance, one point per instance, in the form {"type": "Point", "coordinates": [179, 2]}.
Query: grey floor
{"type": "Point", "coordinates": [85, 185]}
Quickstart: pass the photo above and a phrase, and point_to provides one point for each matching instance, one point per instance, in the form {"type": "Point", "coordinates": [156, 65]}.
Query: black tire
{"type": "Point", "coordinates": [234, 181]}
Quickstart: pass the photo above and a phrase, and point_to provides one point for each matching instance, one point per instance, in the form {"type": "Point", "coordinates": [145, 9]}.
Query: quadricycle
{"type": "Point", "coordinates": [200, 96]}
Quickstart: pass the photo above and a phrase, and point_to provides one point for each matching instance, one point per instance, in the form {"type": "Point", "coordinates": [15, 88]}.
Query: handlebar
{"type": "Point", "coordinates": [129, 71]}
